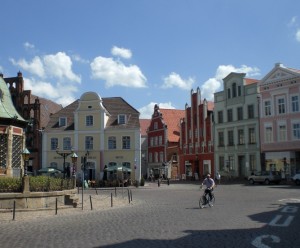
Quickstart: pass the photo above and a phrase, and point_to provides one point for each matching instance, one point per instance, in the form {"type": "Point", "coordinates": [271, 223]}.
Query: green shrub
{"type": "Point", "coordinates": [45, 183]}
{"type": "Point", "coordinates": [10, 184]}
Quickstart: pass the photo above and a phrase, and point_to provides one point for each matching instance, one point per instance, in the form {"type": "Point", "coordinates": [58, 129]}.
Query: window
{"type": "Point", "coordinates": [295, 104]}
{"type": "Point", "coordinates": [196, 133]}
{"type": "Point", "coordinates": [234, 90]}
{"type": "Point", "coordinates": [89, 143]}
{"type": "Point", "coordinates": [190, 133]}
{"type": "Point", "coordinates": [155, 141]}
{"type": "Point", "coordinates": [228, 93]}
{"type": "Point", "coordinates": [250, 111]}
{"type": "Point", "coordinates": [62, 121]}
{"type": "Point", "coordinates": [231, 162]}
{"type": "Point", "coordinates": [269, 135]}
{"type": "Point", "coordinates": [222, 163]}
{"type": "Point", "coordinates": [161, 157]}
{"type": "Point", "coordinates": [125, 142]}
{"type": "Point", "coordinates": [112, 143]}
{"type": "Point", "coordinates": [151, 141]}
{"type": "Point", "coordinates": [67, 143]}
{"type": "Point", "coordinates": [160, 140]}
{"type": "Point", "coordinates": [282, 132]}
{"type": "Point", "coordinates": [240, 113]}
{"type": "Point", "coordinates": [252, 162]}
{"type": "Point", "coordinates": [229, 115]}
{"type": "Point", "coordinates": [209, 146]}
{"type": "Point", "coordinates": [111, 164]}
{"type": "Point", "coordinates": [267, 108]}
{"type": "Point", "coordinates": [190, 148]}
{"type": "Point", "coordinates": [150, 157]}
{"type": "Point", "coordinates": [89, 120]}
{"type": "Point", "coordinates": [122, 119]}
{"type": "Point", "coordinates": [230, 138]}
{"type": "Point", "coordinates": [239, 90]}
{"type": "Point", "coordinates": [155, 125]}
{"type": "Point", "coordinates": [281, 106]}
{"type": "Point", "coordinates": [220, 116]}
{"type": "Point", "coordinates": [221, 139]}
{"type": "Point", "coordinates": [296, 130]}
{"type": "Point", "coordinates": [155, 157]}
{"type": "Point", "coordinates": [54, 143]}
{"type": "Point", "coordinates": [202, 146]}
{"type": "Point", "coordinates": [252, 139]}
{"type": "Point", "coordinates": [241, 138]}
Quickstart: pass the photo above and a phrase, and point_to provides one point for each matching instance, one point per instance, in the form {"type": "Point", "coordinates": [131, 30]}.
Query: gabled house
{"type": "Point", "coordinates": [196, 138]}
{"type": "Point", "coordinates": [104, 133]}
{"type": "Point", "coordinates": [280, 119]}
{"type": "Point", "coordinates": [163, 143]}
{"type": "Point", "coordinates": [236, 135]}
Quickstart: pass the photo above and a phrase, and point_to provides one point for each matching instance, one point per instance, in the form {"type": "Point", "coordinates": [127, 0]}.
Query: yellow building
{"type": "Point", "coordinates": [103, 132]}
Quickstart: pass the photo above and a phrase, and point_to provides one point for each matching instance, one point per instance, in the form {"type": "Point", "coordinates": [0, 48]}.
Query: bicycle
{"type": "Point", "coordinates": [205, 200]}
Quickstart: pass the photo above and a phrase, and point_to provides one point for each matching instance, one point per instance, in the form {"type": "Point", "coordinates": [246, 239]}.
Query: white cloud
{"type": "Point", "coordinates": [28, 45]}
{"type": "Point", "coordinates": [78, 58]}
{"type": "Point", "coordinates": [292, 21]}
{"type": "Point", "coordinates": [121, 52]}
{"type": "Point", "coordinates": [215, 84]}
{"type": "Point", "coordinates": [57, 65]}
{"type": "Point", "coordinates": [147, 111]}
{"type": "Point", "coordinates": [35, 67]}
{"type": "Point", "coordinates": [174, 80]}
{"type": "Point", "coordinates": [298, 35]}
{"type": "Point", "coordinates": [60, 65]}
{"type": "Point", "coordinates": [116, 73]}
{"type": "Point", "coordinates": [60, 93]}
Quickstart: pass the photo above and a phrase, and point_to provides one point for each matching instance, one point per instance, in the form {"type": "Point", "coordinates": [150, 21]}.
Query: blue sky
{"type": "Point", "coordinates": [147, 52]}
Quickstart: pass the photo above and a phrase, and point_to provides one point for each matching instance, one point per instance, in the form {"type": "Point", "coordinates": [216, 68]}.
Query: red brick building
{"type": "Point", "coordinates": [196, 138]}
{"type": "Point", "coordinates": [163, 142]}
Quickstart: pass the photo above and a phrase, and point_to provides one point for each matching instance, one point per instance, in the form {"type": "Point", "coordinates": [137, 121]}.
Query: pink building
{"type": "Point", "coordinates": [280, 119]}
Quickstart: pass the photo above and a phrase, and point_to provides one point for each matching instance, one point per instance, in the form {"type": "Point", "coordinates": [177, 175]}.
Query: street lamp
{"type": "Point", "coordinates": [25, 156]}
{"type": "Point", "coordinates": [64, 154]}
{"type": "Point", "coordinates": [74, 158]}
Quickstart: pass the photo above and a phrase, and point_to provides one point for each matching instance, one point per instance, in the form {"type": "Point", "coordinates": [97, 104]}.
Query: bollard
{"type": "Point", "coordinates": [91, 202]}
{"type": "Point", "coordinates": [115, 191]}
{"type": "Point", "coordinates": [128, 196]}
{"type": "Point", "coordinates": [111, 199]}
{"type": "Point", "coordinates": [131, 195]}
{"type": "Point", "coordinates": [56, 206]}
{"type": "Point", "coordinates": [96, 191]}
{"type": "Point", "coordinates": [14, 211]}
{"type": "Point", "coordinates": [168, 181]}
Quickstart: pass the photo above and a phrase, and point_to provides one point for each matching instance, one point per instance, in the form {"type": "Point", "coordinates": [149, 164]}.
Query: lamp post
{"type": "Point", "coordinates": [63, 154]}
{"type": "Point", "coordinates": [74, 158]}
{"type": "Point", "coordinates": [25, 156]}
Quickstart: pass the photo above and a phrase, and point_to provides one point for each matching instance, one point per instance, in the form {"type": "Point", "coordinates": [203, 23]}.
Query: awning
{"type": "Point", "coordinates": [117, 168]}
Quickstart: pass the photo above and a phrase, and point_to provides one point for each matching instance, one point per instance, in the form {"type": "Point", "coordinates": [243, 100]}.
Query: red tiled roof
{"type": "Point", "coordinates": [294, 70]}
{"type": "Point", "coordinates": [250, 81]}
{"type": "Point", "coordinates": [171, 117]}
{"type": "Point", "coordinates": [144, 124]}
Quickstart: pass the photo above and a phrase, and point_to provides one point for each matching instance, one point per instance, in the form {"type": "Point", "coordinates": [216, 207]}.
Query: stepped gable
{"type": "Point", "coordinates": [116, 106]}
{"type": "Point", "coordinates": [171, 118]}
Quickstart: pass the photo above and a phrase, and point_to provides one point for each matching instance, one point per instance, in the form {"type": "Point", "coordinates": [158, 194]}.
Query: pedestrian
{"type": "Point", "coordinates": [218, 178]}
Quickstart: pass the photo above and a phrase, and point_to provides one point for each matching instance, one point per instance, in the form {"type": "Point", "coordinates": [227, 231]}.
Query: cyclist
{"type": "Point", "coordinates": [210, 184]}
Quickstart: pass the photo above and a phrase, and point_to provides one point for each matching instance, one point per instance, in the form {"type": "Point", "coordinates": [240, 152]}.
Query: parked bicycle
{"type": "Point", "coordinates": [206, 201]}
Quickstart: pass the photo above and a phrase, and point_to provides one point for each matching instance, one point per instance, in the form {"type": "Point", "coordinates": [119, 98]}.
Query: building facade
{"type": "Point", "coordinates": [236, 135]}
{"type": "Point", "coordinates": [196, 138]}
{"type": "Point", "coordinates": [104, 133]}
{"type": "Point", "coordinates": [144, 124]}
{"type": "Point", "coordinates": [163, 143]}
{"type": "Point", "coordinates": [280, 119]}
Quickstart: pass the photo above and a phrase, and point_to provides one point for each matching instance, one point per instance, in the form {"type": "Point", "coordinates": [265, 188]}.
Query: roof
{"type": "Point", "coordinates": [144, 124]}
{"type": "Point", "coordinates": [250, 81]}
{"type": "Point", "coordinates": [7, 108]}
{"type": "Point", "coordinates": [172, 117]}
{"type": "Point", "coordinates": [114, 105]}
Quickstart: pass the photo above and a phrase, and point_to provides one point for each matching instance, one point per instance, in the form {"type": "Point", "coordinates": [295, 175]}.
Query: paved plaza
{"type": "Point", "coordinates": [169, 216]}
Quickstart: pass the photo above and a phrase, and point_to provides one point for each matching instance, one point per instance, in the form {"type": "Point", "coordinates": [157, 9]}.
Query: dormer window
{"type": "Point", "coordinates": [122, 119]}
{"type": "Point", "coordinates": [62, 121]}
